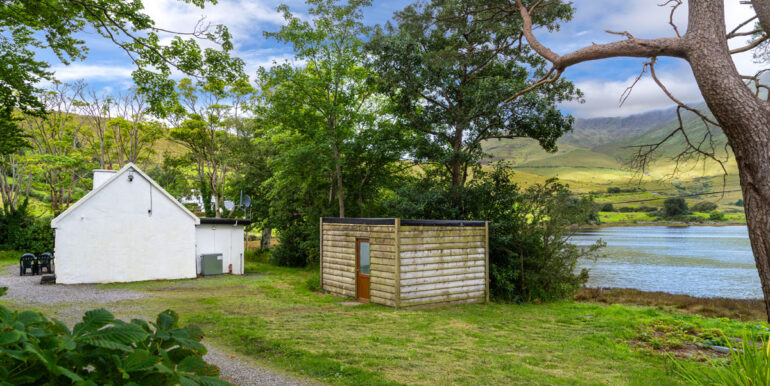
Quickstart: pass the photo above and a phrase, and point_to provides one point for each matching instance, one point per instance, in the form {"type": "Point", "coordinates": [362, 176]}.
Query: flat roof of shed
{"type": "Point", "coordinates": [404, 222]}
{"type": "Point", "coordinates": [225, 221]}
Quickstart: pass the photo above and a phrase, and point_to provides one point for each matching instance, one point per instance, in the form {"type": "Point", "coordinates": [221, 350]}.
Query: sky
{"type": "Point", "coordinates": [108, 70]}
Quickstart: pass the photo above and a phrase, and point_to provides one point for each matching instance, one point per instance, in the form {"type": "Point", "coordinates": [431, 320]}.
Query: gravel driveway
{"type": "Point", "coordinates": [27, 289]}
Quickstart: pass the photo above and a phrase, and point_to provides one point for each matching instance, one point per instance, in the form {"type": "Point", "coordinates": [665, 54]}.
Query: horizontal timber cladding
{"type": "Point", "coordinates": [442, 264]}
{"type": "Point", "coordinates": [338, 257]}
{"type": "Point", "coordinates": [414, 263]}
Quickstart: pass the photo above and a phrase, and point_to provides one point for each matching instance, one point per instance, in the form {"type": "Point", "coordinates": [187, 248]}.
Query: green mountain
{"type": "Point", "coordinates": [592, 132]}
{"type": "Point", "coordinates": [597, 154]}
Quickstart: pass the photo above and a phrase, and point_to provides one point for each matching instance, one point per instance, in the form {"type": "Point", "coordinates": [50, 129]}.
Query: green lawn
{"type": "Point", "coordinates": [271, 316]}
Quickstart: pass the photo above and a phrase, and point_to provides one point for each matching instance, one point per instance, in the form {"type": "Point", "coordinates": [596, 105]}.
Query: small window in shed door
{"type": "Point", "coordinates": [363, 268]}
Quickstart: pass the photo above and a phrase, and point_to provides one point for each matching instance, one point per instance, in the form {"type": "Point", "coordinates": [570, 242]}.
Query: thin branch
{"type": "Point", "coordinates": [544, 80]}
{"type": "Point", "coordinates": [676, 5]}
{"type": "Point", "coordinates": [627, 92]}
{"type": "Point", "coordinates": [674, 99]}
{"type": "Point", "coordinates": [750, 46]}
{"type": "Point", "coordinates": [747, 33]}
{"type": "Point", "coordinates": [735, 30]}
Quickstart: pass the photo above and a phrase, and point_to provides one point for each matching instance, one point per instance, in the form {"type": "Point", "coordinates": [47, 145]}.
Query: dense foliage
{"type": "Point", "coordinates": [101, 350]}
{"type": "Point", "coordinates": [22, 232]}
{"type": "Point", "coordinates": [531, 257]}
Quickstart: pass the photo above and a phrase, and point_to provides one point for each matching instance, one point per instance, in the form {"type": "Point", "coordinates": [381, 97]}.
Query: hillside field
{"type": "Point", "coordinates": [597, 154]}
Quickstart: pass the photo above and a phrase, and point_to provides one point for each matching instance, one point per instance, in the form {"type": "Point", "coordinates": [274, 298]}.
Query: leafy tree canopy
{"type": "Point", "coordinates": [29, 25]}
{"type": "Point", "coordinates": [450, 79]}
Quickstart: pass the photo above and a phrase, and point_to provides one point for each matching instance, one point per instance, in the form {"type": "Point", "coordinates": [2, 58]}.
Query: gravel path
{"type": "Point", "coordinates": [27, 289]}
{"type": "Point", "coordinates": [243, 373]}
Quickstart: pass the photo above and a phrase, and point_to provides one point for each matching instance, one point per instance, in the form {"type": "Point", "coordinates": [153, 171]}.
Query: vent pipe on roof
{"type": "Point", "coordinates": [101, 176]}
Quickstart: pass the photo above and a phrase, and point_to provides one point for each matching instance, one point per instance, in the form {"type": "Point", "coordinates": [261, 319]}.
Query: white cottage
{"type": "Point", "coordinates": [128, 228]}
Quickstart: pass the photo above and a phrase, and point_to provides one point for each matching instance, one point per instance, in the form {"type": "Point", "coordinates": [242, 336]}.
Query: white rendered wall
{"type": "Point", "coordinates": [101, 176]}
{"type": "Point", "coordinates": [113, 238]}
{"type": "Point", "coordinates": [224, 239]}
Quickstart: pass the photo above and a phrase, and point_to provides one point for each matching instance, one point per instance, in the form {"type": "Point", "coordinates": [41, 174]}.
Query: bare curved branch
{"type": "Point", "coordinates": [674, 99]}
{"type": "Point", "coordinates": [632, 47]}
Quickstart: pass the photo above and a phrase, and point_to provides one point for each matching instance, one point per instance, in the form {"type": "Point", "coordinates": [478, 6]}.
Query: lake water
{"type": "Point", "coordinates": [703, 261]}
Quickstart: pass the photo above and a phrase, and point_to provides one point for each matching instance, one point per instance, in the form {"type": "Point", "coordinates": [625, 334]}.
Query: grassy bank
{"type": "Point", "coordinates": [739, 309]}
{"type": "Point", "coordinates": [271, 316]}
{"type": "Point", "coordinates": [634, 218]}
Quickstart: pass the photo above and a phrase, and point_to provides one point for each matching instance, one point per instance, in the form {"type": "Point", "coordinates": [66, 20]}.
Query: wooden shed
{"type": "Point", "coordinates": [405, 263]}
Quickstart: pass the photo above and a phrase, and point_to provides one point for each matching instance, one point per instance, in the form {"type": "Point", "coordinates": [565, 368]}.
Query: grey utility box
{"type": "Point", "coordinates": [211, 264]}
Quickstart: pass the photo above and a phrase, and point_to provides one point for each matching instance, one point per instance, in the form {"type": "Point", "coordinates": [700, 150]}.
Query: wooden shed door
{"type": "Point", "coordinates": [363, 266]}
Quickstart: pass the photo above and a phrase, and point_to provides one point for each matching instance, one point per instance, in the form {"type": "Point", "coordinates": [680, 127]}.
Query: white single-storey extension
{"type": "Point", "coordinates": [128, 228]}
{"type": "Point", "coordinates": [225, 236]}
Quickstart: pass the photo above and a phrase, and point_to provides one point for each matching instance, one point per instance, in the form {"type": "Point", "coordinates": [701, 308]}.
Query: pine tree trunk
{"type": "Point", "coordinates": [744, 118]}
{"type": "Point", "coordinates": [457, 162]}
{"type": "Point", "coordinates": [338, 172]}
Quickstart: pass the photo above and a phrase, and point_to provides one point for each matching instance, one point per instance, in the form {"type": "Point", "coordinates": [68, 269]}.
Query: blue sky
{"type": "Point", "coordinates": [107, 69]}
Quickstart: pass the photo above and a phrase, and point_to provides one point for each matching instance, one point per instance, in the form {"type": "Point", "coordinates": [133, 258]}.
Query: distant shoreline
{"type": "Point", "coordinates": [666, 224]}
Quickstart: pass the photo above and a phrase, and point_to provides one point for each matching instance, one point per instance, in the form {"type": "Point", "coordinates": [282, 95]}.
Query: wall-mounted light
{"type": "Point", "coordinates": [130, 175]}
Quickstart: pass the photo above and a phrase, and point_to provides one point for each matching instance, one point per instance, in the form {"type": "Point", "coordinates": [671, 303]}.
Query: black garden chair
{"type": "Point", "coordinates": [27, 261]}
{"type": "Point", "coordinates": [44, 261]}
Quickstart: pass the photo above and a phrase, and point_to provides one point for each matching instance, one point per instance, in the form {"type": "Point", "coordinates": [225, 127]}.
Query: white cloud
{"type": "Point", "coordinates": [644, 19]}
{"type": "Point", "coordinates": [602, 97]}
{"type": "Point", "coordinates": [102, 72]}
{"type": "Point", "coordinates": [246, 19]}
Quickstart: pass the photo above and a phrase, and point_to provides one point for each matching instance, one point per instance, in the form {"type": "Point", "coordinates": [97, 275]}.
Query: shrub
{"type": "Point", "coordinates": [21, 231]}
{"type": "Point", "coordinates": [101, 350]}
{"type": "Point", "coordinates": [716, 216]}
{"type": "Point", "coordinates": [296, 247]}
{"type": "Point", "coordinates": [646, 209]}
{"type": "Point", "coordinates": [628, 209]}
{"type": "Point", "coordinates": [613, 190]}
{"type": "Point", "coordinates": [313, 283]}
{"type": "Point", "coordinates": [675, 206]}
{"type": "Point", "coordinates": [704, 207]}
{"type": "Point", "coordinates": [607, 208]}
{"type": "Point", "coordinates": [738, 203]}
{"type": "Point", "coordinates": [747, 365]}
{"type": "Point", "coordinates": [257, 256]}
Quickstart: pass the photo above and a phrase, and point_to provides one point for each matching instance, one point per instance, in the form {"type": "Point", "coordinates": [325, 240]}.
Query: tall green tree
{"type": "Point", "coordinates": [132, 131]}
{"type": "Point", "coordinates": [58, 153]}
{"type": "Point", "coordinates": [329, 95]}
{"type": "Point", "coordinates": [210, 113]}
{"type": "Point", "coordinates": [450, 79]}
